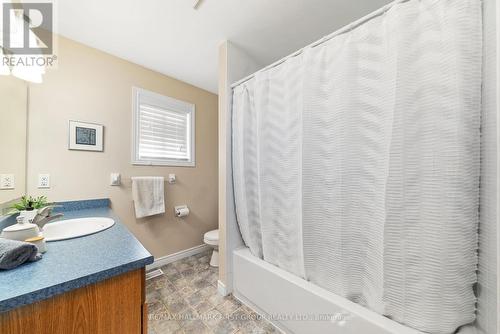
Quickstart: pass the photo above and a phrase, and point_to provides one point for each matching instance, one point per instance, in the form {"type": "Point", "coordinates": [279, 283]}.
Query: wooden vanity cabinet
{"type": "Point", "coordinates": [115, 305]}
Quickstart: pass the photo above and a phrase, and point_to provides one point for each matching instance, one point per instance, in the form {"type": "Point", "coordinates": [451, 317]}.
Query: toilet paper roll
{"type": "Point", "coordinates": [182, 212]}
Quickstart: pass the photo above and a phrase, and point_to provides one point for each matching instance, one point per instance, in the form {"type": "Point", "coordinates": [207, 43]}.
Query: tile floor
{"type": "Point", "coordinates": [185, 300]}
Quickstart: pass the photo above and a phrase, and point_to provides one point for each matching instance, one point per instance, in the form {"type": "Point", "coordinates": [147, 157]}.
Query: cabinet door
{"type": "Point", "coordinates": [111, 306]}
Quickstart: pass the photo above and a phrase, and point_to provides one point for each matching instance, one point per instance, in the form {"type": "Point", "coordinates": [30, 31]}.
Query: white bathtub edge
{"type": "Point", "coordinates": [272, 290]}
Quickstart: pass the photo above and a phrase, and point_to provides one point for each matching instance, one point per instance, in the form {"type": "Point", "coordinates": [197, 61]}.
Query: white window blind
{"type": "Point", "coordinates": [163, 130]}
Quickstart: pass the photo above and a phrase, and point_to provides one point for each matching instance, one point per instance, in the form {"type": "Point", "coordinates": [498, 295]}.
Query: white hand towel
{"type": "Point", "coordinates": [148, 195]}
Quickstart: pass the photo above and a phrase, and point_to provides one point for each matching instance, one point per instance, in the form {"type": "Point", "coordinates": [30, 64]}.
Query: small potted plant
{"type": "Point", "coordinates": [28, 206]}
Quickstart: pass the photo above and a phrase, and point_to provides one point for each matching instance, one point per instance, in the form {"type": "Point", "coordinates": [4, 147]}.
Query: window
{"type": "Point", "coordinates": [163, 130]}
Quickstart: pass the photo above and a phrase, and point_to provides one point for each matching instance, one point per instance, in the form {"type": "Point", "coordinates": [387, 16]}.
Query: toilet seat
{"type": "Point", "coordinates": [212, 238]}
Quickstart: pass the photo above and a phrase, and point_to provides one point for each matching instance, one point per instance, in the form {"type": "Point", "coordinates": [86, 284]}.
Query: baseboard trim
{"type": "Point", "coordinates": [161, 261]}
{"type": "Point", "coordinates": [221, 289]}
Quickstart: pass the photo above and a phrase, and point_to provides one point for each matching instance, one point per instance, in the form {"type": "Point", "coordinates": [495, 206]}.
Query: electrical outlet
{"type": "Point", "coordinates": [7, 181]}
{"type": "Point", "coordinates": [43, 181]}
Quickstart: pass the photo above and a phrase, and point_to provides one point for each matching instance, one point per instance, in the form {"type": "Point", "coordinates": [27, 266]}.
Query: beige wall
{"type": "Point", "coordinates": [13, 94]}
{"type": "Point", "coordinates": [93, 86]}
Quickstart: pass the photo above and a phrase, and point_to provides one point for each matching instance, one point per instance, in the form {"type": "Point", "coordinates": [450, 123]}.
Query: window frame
{"type": "Point", "coordinates": [168, 103]}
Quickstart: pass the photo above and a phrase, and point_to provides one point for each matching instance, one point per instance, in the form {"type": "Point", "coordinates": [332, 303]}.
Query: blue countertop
{"type": "Point", "coordinates": [71, 264]}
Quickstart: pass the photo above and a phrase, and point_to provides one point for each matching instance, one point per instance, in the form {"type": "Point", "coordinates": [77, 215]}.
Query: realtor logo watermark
{"type": "Point", "coordinates": [27, 34]}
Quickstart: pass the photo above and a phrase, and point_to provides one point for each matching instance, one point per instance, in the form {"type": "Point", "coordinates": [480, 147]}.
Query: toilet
{"type": "Point", "coordinates": [211, 238]}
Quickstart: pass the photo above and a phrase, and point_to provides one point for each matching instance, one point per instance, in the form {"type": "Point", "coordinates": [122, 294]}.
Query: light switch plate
{"type": "Point", "coordinates": [116, 179]}
{"type": "Point", "coordinates": [7, 181]}
{"type": "Point", "coordinates": [43, 181]}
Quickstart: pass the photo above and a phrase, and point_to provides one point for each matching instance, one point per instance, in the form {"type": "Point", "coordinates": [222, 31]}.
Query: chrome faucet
{"type": "Point", "coordinates": [44, 215]}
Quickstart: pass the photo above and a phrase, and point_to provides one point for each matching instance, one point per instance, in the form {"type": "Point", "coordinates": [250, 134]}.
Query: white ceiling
{"type": "Point", "coordinates": [170, 37]}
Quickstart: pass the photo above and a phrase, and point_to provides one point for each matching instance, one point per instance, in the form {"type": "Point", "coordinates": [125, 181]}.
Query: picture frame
{"type": "Point", "coordinates": [84, 136]}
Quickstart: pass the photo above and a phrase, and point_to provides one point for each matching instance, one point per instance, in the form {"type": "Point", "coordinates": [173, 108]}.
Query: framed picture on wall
{"type": "Point", "coordinates": [86, 136]}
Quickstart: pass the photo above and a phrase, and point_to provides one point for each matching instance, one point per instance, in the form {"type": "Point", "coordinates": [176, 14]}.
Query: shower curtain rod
{"type": "Point", "coordinates": [341, 31]}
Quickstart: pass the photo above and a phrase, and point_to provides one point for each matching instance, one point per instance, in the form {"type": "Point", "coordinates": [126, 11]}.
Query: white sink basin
{"type": "Point", "coordinates": [74, 228]}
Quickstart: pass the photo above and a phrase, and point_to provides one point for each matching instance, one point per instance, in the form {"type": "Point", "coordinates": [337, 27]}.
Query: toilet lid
{"type": "Point", "coordinates": [212, 235]}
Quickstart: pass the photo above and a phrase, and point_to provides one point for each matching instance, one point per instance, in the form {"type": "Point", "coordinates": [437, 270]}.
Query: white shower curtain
{"type": "Point", "coordinates": [356, 163]}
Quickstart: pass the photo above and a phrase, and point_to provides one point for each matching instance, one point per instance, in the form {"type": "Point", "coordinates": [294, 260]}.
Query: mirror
{"type": "Point", "coordinates": [13, 137]}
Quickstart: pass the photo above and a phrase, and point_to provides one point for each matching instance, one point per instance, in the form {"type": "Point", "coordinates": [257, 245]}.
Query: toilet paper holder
{"type": "Point", "coordinates": [181, 211]}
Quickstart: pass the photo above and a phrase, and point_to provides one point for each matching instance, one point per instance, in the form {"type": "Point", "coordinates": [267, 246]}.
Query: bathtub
{"type": "Point", "coordinates": [295, 305]}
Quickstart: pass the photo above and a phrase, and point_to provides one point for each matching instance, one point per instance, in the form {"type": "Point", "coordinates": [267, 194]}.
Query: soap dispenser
{"type": "Point", "coordinates": [20, 231]}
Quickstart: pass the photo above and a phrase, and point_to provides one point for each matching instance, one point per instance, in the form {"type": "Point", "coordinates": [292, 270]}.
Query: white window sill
{"type": "Point", "coordinates": [173, 163]}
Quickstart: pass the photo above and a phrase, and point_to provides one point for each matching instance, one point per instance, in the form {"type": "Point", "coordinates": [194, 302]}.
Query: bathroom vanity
{"type": "Point", "coordinates": [92, 284]}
